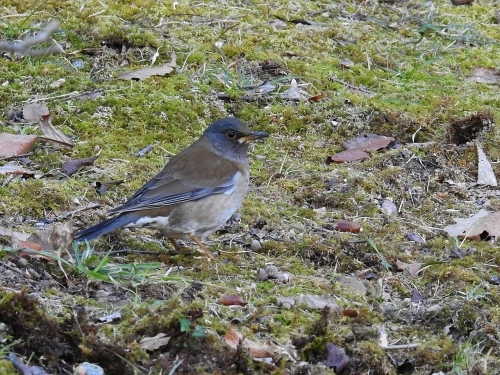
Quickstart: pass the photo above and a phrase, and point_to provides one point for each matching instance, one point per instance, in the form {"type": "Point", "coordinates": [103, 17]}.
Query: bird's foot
{"type": "Point", "coordinates": [203, 248]}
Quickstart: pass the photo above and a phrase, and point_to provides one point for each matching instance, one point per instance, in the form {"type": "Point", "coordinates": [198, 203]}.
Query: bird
{"type": "Point", "coordinates": [195, 193]}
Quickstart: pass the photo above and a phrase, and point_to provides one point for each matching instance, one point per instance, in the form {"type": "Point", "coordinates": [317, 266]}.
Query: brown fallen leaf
{"type": "Point", "coordinates": [348, 226]}
{"type": "Point", "coordinates": [39, 112]}
{"type": "Point", "coordinates": [55, 237]}
{"type": "Point", "coordinates": [232, 300]}
{"type": "Point", "coordinates": [368, 142]}
{"type": "Point", "coordinates": [485, 173]}
{"type": "Point", "coordinates": [412, 268]}
{"type": "Point", "coordinates": [72, 166]}
{"type": "Point", "coordinates": [15, 237]}
{"type": "Point", "coordinates": [348, 155]}
{"type": "Point", "coordinates": [317, 98]}
{"type": "Point", "coordinates": [233, 338]}
{"type": "Point", "coordinates": [153, 343]}
{"type": "Point", "coordinates": [143, 73]}
{"type": "Point", "coordinates": [15, 144]}
{"type": "Point", "coordinates": [486, 75]}
{"type": "Point", "coordinates": [357, 148]}
{"type": "Point", "coordinates": [16, 170]}
{"type": "Point", "coordinates": [351, 313]}
{"type": "Point", "coordinates": [482, 226]}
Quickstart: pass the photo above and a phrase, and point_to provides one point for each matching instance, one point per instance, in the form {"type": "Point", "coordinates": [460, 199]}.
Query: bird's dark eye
{"type": "Point", "coordinates": [231, 134]}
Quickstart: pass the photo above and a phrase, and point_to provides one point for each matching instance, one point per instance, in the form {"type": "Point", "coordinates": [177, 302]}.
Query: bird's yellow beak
{"type": "Point", "coordinates": [253, 136]}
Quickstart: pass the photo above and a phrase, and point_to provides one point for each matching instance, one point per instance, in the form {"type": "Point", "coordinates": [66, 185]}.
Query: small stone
{"type": "Point", "coordinates": [262, 275]}
{"type": "Point", "coordinates": [352, 284]}
{"type": "Point", "coordinates": [87, 368]}
{"type": "Point", "coordinates": [255, 246]}
{"type": "Point", "coordinates": [320, 211]}
{"type": "Point", "coordinates": [272, 272]}
{"type": "Point", "coordinates": [284, 277]}
{"type": "Point", "coordinates": [285, 302]}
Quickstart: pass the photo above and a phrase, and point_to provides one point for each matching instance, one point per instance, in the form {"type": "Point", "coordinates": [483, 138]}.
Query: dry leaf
{"type": "Point", "coordinates": [33, 112]}
{"type": "Point", "coordinates": [72, 166]}
{"type": "Point", "coordinates": [143, 73]}
{"type": "Point", "coordinates": [233, 338]}
{"type": "Point", "coordinates": [55, 136]}
{"type": "Point", "coordinates": [317, 98]}
{"type": "Point", "coordinates": [15, 237]}
{"type": "Point", "coordinates": [15, 169]}
{"type": "Point", "coordinates": [348, 155]}
{"type": "Point", "coordinates": [295, 92]}
{"type": "Point", "coordinates": [348, 226]}
{"type": "Point", "coordinates": [489, 76]}
{"type": "Point", "coordinates": [55, 237]}
{"type": "Point", "coordinates": [356, 148]}
{"type": "Point", "coordinates": [368, 142]}
{"type": "Point", "coordinates": [485, 174]}
{"type": "Point", "coordinates": [153, 343]}
{"type": "Point", "coordinates": [232, 299]}
{"type": "Point", "coordinates": [13, 144]}
{"type": "Point", "coordinates": [351, 313]}
{"type": "Point", "coordinates": [411, 268]}
{"type": "Point", "coordinates": [481, 226]}
{"type": "Point", "coordinates": [39, 112]}
{"type": "Point", "coordinates": [336, 358]}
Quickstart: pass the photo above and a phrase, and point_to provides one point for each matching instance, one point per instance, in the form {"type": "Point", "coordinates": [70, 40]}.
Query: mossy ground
{"type": "Point", "coordinates": [408, 80]}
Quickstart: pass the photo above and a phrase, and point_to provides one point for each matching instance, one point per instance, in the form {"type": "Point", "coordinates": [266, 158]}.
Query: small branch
{"type": "Point", "coordinates": [403, 346]}
{"type": "Point", "coordinates": [71, 213]}
{"type": "Point", "coordinates": [23, 47]}
{"type": "Point", "coordinates": [333, 79]}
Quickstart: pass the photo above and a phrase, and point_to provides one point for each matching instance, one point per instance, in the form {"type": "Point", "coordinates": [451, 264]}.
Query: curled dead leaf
{"type": "Point", "coordinates": [232, 299]}
{"type": "Point", "coordinates": [147, 72]}
{"type": "Point", "coordinates": [411, 268]}
{"type": "Point", "coordinates": [153, 343]}
{"type": "Point", "coordinates": [72, 166]}
{"type": "Point", "coordinates": [15, 144]}
{"type": "Point", "coordinates": [348, 226]}
{"type": "Point", "coordinates": [233, 338]}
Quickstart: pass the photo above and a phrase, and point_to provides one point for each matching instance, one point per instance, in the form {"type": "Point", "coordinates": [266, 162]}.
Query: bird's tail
{"type": "Point", "coordinates": [106, 226]}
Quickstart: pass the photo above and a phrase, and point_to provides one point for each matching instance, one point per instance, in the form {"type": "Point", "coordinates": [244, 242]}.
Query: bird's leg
{"type": "Point", "coordinates": [202, 247]}
{"type": "Point", "coordinates": [176, 245]}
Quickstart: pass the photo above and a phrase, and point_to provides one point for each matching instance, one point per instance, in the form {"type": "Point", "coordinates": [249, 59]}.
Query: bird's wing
{"type": "Point", "coordinates": [189, 176]}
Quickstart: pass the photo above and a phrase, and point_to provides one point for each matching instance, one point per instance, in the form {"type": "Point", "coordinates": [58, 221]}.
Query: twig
{"type": "Point", "coordinates": [71, 213]}
{"type": "Point", "coordinates": [16, 156]}
{"type": "Point", "coordinates": [333, 79]}
{"type": "Point", "coordinates": [24, 369]}
{"type": "Point", "coordinates": [146, 150]}
{"type": "Point", "coordinates": [23, 47]}
{"type": "Point", "coordinates": [403, 346]}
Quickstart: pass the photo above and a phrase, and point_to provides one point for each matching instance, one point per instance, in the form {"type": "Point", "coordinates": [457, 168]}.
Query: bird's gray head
{"type": "Point", "coordinates": [230, 137]}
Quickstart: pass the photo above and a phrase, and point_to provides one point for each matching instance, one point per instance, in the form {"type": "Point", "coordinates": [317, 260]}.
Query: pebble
{"type": "Point", "coordinates": [262, 275]}
{"type": "Point", "coordinates": [284, 277]}
{"type": "Point", "coordinates": [87, 368]}
{"type": "Point", "coordinates": [255, 246]}
{"type": "Point", "coordinates": [272, 272]}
